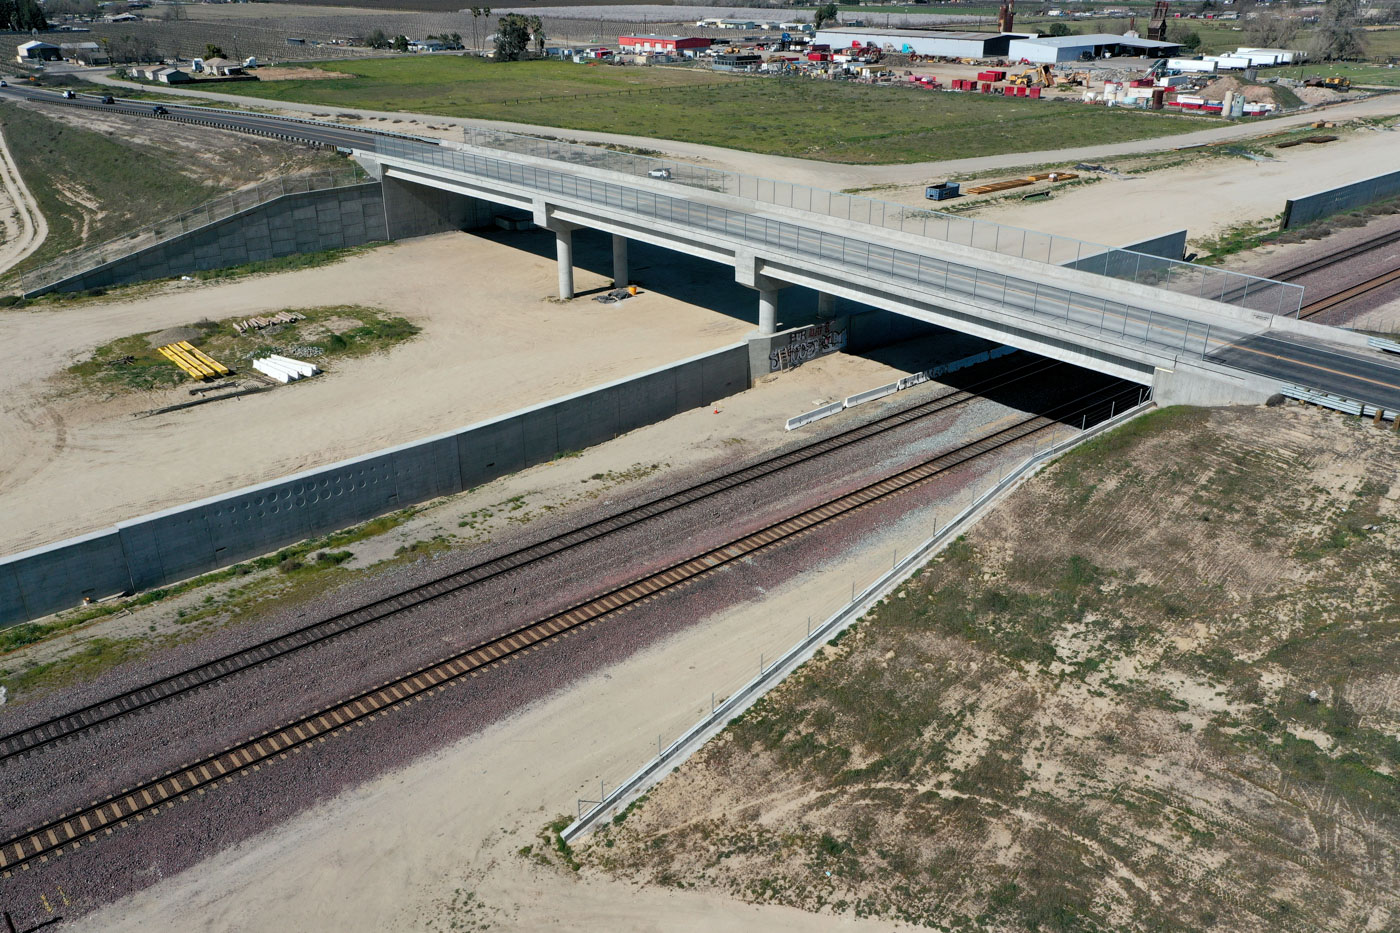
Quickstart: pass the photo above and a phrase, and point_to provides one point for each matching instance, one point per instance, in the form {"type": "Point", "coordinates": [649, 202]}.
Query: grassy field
{"type": "Point", "coordinates": [94, 184]}
{"type": "Point", "coordinates": [452, 85]}
{"type": "Point", "coordinates": [819, 120]}
{"type": "Point", "coordinates": [90, 186]}
{"type": "Point", "coordinates": [1092, 713]}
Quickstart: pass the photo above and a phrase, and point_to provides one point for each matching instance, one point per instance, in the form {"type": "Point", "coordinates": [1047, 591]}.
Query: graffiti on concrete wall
{"type": "Point", "coordinates": [808, 343]}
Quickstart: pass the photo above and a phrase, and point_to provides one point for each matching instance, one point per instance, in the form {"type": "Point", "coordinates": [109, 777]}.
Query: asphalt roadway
{"type": "Point", "coordinates": [1314, 366]}
{"type": "Point", "coordinates": [1358, 375]}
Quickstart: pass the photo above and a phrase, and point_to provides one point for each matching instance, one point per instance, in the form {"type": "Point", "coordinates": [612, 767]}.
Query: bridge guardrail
{"type": "Point", "coordinates": [1237, 288]}
{"type": "Point", "coordinates": [1163, 332]}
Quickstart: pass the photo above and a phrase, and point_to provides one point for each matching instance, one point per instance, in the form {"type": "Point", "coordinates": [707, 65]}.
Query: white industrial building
{"type": "Point", "coordinates": [919, 41]}
{"type": "Point", "coordinates": [1052, 49]}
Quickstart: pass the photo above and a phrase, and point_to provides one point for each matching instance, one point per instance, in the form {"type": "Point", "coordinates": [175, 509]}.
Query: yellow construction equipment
{"type": "Point", "coordinates": [1041, 76]}
{"type": "Point", "coordinates": [193, 361]}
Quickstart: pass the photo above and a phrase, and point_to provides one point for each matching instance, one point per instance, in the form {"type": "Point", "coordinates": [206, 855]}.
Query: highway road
{"type": "Point", "coordinates": [1357, 375]}
{"type": "Point", "coordinates": [311, 131]}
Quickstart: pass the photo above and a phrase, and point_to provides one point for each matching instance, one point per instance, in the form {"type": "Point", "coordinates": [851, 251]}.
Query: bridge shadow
{"type": "Point", "coordinates": [1069, 394]}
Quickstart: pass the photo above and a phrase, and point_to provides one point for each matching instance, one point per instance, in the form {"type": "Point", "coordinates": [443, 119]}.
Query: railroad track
{"type": "Point", "coordinates": [26, 741]}
{"type": "Point", "coordinates": [72, 830]}
{"type": "Point", "coordinates": [1347, 294]}
{"type": "Point", "coordinates": [1322, 262]}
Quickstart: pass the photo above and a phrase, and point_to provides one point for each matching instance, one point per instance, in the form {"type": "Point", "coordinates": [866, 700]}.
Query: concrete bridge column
{"type": "Point", "coordinates": [564, 250]}
{"type": "Point", "coordinates": [620, 277]}
{"type": "Point", "coordinates": [826, 305]}
{"type": "Point", "coordinates": [767, 310]}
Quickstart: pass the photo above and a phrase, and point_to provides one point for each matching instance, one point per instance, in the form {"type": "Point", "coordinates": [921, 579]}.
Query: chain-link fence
{"type": "Point", "coordinates": [1090, 314]}
{"type": "Point", "coordinates": [1246, 291]}
{"type": "Point", "coordinates": [83, 260]}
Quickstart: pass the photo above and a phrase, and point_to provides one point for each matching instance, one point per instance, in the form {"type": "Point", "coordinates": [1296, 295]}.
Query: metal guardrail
{"type": "Point", "coordinates": [1380, 343]}
{"type": "Point", "coordinates": [1348, 406]}
{"type": "Point", "coordinates": [220, 208]}
{"type": "Point", "coordinates": [1099, 317]}
{"type": "Point", "coordinates": [1245, 291]}
{"type": "Point", "coordinates": [697, 735]}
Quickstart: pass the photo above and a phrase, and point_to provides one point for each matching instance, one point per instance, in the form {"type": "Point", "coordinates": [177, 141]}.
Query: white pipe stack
{"type": "Point", "coordinates": [305, 369]}
{"type": "Point", "coordinates": [284, 369]}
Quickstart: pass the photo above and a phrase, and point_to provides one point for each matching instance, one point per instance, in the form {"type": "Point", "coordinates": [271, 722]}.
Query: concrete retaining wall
{"type": "Point", "coordinates": [178, 543]}
{"type": "Point", "coordinates": [306, 222]}
{"type": "Point", "coordinates": [1304, 210]}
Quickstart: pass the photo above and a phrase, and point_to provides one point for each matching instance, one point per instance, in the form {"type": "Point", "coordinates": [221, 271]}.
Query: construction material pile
{"type": "Point", "coordinates": [284, 369]}
{"type": "Point", "coordinates": [258, 323]}
{"type": "Point", "coordinates": [1258, 93]}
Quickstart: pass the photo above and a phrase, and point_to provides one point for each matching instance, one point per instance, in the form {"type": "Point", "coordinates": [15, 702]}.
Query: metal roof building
{"type": "Point", "coordinates": [1052, 49]}
{"type": "Point", "coordinates": [919, 41]}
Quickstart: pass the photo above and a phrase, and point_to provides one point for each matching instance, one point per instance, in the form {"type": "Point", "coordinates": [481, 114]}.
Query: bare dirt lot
{"type": "Point", "coordinates": [493, 341]}
{"type": "Point", "coordinates": [1094, 712]}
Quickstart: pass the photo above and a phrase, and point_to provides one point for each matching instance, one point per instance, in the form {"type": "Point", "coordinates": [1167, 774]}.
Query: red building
{"type": "Point", "coordinates": [675, 45]}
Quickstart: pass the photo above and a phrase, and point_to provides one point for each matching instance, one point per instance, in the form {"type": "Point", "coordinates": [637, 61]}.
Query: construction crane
{"type": "Point", "coordinates": [1157, 28]}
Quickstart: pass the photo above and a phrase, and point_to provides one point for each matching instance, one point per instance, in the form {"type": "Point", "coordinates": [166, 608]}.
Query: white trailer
{"type": "Point", "coordinates": [1191, 65]}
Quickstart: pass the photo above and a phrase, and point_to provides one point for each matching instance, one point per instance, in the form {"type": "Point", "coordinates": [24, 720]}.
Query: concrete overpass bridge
{"type": "Point", "coordinates": [1196, 335]}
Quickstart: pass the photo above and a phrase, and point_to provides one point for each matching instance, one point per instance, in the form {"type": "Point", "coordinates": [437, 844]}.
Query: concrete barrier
{"type": "Point", "coordinates": [190, 539]}
{"type": "Point", "coordinates": [1304, 210]}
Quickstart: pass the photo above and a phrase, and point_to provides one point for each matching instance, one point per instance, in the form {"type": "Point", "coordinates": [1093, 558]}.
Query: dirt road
{"type": "Point", "coordinates": [22, 225]}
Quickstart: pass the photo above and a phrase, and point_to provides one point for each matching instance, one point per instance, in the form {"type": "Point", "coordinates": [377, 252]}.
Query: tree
{"type": "Point", "coordinates": [400, 43]}
{"type": "Point", "coordinates": [1270, 30]}
{"type": "Point", "coordinates": [825, 14]}
{"type": "Point", "coordinates": [537, 33]}
{"type": "Point", "coordinates": [1186, 38]}
{"type": "Point", "coordinates": [1060, 29]}
{"type": "Point", "coordinates": [477, 12]}
{"type": "Point", "coordinates": [512, 37]}
{"type": "Point", "coordinates": [213, 51]}
{"type": "Point", "coordinates": [22, 16]}
{"type": "Point", "coordinates": [1338, 33]}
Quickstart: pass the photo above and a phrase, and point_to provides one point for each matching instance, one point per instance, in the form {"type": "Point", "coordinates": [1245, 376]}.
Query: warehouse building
{"type": "Point", "coordinates": [1052, 49]}
{"type": "Point", "coordinates": [920, 41]}
{"type": "Point", "coordinates": [673, 45]}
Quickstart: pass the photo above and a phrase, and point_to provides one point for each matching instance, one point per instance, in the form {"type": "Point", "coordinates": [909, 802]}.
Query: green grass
{"type": "Point", "coordinates": [124, 184]}
{"type": "Point", "coordinates": [454, 85]}
{"type": "Point", "coordinates": [820, 120]}
{"type": "Point", "coordinates": [133, 364]}
{"type": "Point", "coordinates": [1359, 73]}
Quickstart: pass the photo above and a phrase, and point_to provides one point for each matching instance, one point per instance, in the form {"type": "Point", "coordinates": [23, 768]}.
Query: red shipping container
{"type": "Point", "coordinates": [996, 76]}
{"type": "Point", "coordinates": [1033, 92]}
{"type": "Point", "coordinates": [986, 87]}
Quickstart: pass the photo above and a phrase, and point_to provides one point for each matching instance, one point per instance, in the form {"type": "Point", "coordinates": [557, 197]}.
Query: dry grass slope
{"type": "Point", "coordinates": [1092, 713]}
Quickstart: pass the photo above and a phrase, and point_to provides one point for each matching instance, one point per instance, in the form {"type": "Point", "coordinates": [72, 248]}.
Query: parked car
{"type": "Point", "coordinates": [159, 111]}
{"type": "Point", "coordinates": [659, 173]}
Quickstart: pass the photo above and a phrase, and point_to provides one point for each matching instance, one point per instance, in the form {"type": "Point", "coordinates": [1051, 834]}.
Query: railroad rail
{"type": "Point", "coordinates": [72, 830]}
{"type": "Point", "coordinates": [1347, 294]}
{"type": "Point", "coordinates": [30, 739]}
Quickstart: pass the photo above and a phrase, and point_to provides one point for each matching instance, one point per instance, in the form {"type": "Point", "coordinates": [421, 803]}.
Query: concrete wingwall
{"type": "Point", "coordinates": [1304, 210]}
{"type": "Point", "coordinates": [305, 222]}
{"type": "Point", "coordinates": [165, 547]}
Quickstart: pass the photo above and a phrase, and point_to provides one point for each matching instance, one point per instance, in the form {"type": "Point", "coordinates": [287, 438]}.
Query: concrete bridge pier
{"type": "Point", "coordinates": [826, 305]}
{"type": "Point", "coordinates": [619, 245]}
{"type": "Point", "coordinates": [767, 309]}
{"type": "Point", "coordinates": [564, 251]}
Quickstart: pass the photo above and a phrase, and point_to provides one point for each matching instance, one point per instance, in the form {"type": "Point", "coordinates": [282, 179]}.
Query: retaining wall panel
{"type": "Point", "coordinates": [426, 471]}
{"type": "Point", "coordinates": [653, 399]}
{"type": "Point", "coordinates": [47, 579]}
{"type": "Point", "coordinates": [491, 450]}
{"type": "Point", "coordinates": [541, 436]}
{"type": "Point", "coordinates": [583, 422]}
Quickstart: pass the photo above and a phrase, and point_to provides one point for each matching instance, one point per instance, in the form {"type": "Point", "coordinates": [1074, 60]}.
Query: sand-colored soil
{"type": "Point", "coordinates": [22, 224]}
{"type": "Point", "coordinates": [493, 341]}
{"type": "Point", "coordinates": [1204, 197]}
